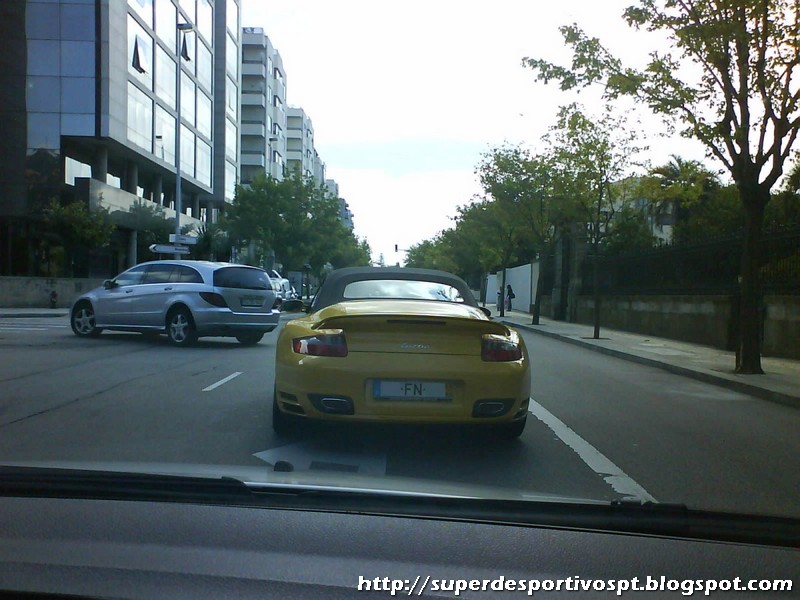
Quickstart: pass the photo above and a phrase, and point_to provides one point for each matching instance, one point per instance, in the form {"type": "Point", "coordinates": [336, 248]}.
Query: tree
{"type": "Point", "coordinates": [526, 183]}
{"type": "Point", "coordinates": [592, 154]}
{"type": "Point", "coordinates": [628, 233]}
{"type": "Point", "coordinates": [295, 218]}
{"type": "Point", "coordinates": [742, 104]}
{"type": "Point", "coordinates": [74, 227]}
{"type": "Point", "coordinates": [149, 221]}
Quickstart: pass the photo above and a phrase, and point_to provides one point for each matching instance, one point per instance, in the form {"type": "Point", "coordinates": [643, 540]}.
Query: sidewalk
{"type": "Point", "coordinates": [780, 383]}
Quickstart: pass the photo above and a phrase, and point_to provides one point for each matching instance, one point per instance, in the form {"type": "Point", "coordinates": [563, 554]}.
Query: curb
{"type": "Point", "coordinates": [737, 386]}
{"type": "Point", "coordinates": [32, 315]}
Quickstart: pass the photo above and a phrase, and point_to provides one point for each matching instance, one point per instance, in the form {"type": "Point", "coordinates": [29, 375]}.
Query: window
{"type": "Point", "coordinates": [188, 7]}
{"type": "Point", "coordinates": [184, 274]}
{"type": "Point", "coordinates": [232, 16]}
{"type": "Point", "coordinates": [205, 20]}
{"type": "Point", "coordinates": [204, 116]}
{"type": "Point", "coordinates": [231, 135]}
{"type": "Point", "coordinates": [166, 23]}
{"type": "Point", "coordinates": [203, 167]}
{"type": "Point", "coordinates": [230, 181]}
{"type": "Point", "coordinates": [231, 56]}
{"type": "Point", "coordinates": [205, 66]}
{"type": "Point", "coordinates": [165, 77]}
{"type": "Point", "coordinates": [243, 278]}
{"type": "Point", "coordinates": [401, 289]}
{"type": "Point", "coordinates": [143, 8]}
{"type": "Point", "coordinates": [159, 273]}
{"type": "Point", "coordinates": [164, 146]}
{"type": "Point", "coordinates": [77, 95]}
{"type": "Point", "coordinates": [131, 276]}
{"type": "Point", "coordinates": [187, 100]}
{"type": "Point", "coordinates": [43, 93]}
{"type": "Point", "coordinates": [140, 118]}
{"type": "Point", "coordinates": [187, 151]}
{"type": "Point", "coordinates": [140, 53]}
{"type": "Point", "coordinates": [77, 22]}
{"type": "Point", "coordinates": [231, 97]}
{"type": "Point", "coordinates": [77, 58]}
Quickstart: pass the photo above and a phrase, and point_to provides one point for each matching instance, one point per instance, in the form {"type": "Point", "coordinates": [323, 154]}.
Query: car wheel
{"type": "Point", "coordinates": [83, 320]}
{"type": "Point", "coordinates": [249, 339]}
{"type": "Point", "coordinates": [180, 327]}
{"type": "Point", "coordinates": [282, 424]}
{"type": "Point", "coordinates": [511, 431]}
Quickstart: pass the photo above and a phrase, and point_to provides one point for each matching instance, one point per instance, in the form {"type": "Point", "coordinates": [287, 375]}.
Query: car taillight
{"type": "Point", "coordinates": [496, 348]}
{"type": "Point", "coordinates": [214, 299]}
{"type": "Point", "coordinates": [328, 344]}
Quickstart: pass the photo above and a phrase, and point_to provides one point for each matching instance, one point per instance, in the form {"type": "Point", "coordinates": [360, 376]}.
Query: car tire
{"type": "Point", "coordinates": [249, 339]}
{"type": "Point", "coordinates": [180, 327]}
{"type": "Point", "coordinates": [282, 424]}
{"type": "Point", "coordinates": [511, 431]}
{"type": "Point", "coordinates": [82, 320]}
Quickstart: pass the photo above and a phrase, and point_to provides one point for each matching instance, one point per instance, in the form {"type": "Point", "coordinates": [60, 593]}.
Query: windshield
{"type": "Point", "coordinates": [602, 211]}
{"type": "Point", "coordinates": [401, 290]}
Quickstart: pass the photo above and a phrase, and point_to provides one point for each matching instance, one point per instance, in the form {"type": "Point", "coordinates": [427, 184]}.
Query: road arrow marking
{"type": "Point", "coordinates": [307, 456]}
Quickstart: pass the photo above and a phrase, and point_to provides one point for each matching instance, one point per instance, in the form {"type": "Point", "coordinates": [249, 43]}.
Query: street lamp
{"type": "Point", "coordinates": [182, 28]}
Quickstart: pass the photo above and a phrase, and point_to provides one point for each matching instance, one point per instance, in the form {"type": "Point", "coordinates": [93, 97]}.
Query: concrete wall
{"type": "Point", "coordinates": [523, 281]}
{"type": "Point", "coordinates": [706, 320]}
{"type": "Point", "coordinates": [34, 292]}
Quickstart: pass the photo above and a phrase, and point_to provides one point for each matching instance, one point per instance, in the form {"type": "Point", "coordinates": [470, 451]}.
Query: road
{"type": "Point", "coordinates": [601, 427]}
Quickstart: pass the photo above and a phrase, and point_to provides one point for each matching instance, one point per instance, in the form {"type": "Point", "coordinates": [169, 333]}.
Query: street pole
{"type": "Point", "coordinates": [182, 29]}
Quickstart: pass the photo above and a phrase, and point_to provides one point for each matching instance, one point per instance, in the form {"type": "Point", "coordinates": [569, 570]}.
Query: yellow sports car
{"type": "Point", "coordinates": [399, 345]}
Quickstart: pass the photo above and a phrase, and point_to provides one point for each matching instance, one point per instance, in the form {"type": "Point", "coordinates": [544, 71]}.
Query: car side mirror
{"type": "Point", "coordinates": [486, 311]}
{"type": "Point", "coordinates": [293, 306]}
{"type": "Point", "coordinates": [108, 284]}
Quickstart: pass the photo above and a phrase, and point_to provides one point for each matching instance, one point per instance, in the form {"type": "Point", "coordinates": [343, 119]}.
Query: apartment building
{"type": "Point", "coordinates": [345, 215]}
{"type": "Point", "coordinates": [97, 98]}
{"type": "Point", "coordinates": [263, 132]}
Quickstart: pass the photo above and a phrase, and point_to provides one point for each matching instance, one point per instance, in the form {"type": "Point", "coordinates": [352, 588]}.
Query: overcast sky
{"type": "Point", "coordinates": [406, 96]}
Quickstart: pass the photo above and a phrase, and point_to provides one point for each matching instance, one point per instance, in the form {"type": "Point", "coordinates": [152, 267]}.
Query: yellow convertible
{"type": "Point", "coordinates": [399, 345]}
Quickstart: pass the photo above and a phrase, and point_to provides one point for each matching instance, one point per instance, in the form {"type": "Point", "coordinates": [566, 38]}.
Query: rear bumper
{"type": "Point", "coordinates": [303, 384]}
{"type": "Point", "coordinates": [223, 322]}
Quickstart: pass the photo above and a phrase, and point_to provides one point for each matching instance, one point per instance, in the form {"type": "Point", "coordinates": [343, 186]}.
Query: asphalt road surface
{"type": "Point", "coordinates": [600, 428]}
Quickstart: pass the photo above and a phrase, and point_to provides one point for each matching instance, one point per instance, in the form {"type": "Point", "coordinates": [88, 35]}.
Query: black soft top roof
{"type": "Point", "coordinates": [332, 290]}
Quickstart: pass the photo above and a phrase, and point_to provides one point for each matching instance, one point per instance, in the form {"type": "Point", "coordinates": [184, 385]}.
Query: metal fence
{"type": "Point", "coordinates": [711, 267]}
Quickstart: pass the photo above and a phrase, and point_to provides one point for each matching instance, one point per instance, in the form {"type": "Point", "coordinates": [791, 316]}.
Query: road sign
{"type": "Point", "coordinates": [182, 239]}
{"type": "Point", "coordinates": [165, 249]}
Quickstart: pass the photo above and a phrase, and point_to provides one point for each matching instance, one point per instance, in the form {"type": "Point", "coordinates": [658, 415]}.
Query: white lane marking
{"type": "Point", "coordinates": [9, 328]}
{"type": "Point", "coordinates": [595, 460]}
{"type": "Point", "coordinates": [214, 386]}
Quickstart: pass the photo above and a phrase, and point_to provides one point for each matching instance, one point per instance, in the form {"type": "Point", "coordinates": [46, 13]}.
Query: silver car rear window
{"type": "Point", "coordinates": [242, 278]}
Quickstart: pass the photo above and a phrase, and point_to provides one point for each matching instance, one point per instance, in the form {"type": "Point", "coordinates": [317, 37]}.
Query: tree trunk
{"type": "Point", "coordinates": [503, 293]}
{"type": "Point", "coordinates": [748, 353]}
{"type": "Point", "coordinates": [596, 292]}
{"type": "Point", "coordinates": [537, 298]}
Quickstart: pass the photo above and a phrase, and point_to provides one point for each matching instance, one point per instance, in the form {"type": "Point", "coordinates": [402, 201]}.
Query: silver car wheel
{"type": "Point", "coordinates": [180, 328]}
{"type": "Point", "coordinates": [83, 321]}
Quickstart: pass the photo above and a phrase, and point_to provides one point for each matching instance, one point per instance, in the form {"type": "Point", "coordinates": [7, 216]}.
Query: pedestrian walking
{"type": "Point", "coordinates": [499, 298]}
{"type": "Point", "coordinates": [510, 295]}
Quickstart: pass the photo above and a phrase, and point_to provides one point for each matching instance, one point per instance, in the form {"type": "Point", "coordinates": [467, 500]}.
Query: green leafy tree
{"type": "Point", "coordinates": [151, 225]}
{"type": "Point", "coordinates": [593, 154]}
{"type": "Point", "coordinates": [738, 97]}
{"type": "Point", "coordinates": [528, 186]}
{"type": "Point", "coordinates": [628, 233]}
{"type": "Point", "coordinates": [76, 229]}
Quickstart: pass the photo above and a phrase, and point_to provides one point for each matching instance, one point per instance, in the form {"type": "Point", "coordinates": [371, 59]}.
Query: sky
{"type": "Point", "coordinates": [406, 97]}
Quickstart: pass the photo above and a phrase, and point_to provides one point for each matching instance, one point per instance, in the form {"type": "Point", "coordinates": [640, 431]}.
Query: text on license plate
{"type": "Point", "coordinates": [409, 390]}
{"type": "Point", "coordinates": [251, 301]}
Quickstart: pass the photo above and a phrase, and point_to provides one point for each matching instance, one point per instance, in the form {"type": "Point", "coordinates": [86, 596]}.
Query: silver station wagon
{"type": "Point", "coordinates": [185, 299]}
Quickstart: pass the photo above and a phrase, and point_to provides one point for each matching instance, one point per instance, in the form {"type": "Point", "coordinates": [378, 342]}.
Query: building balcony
{"type": "Point", "coordinates": [256, 129]}
{"type": "Point", "coordinates": [253, 159]}
{"type": "Point", "coordinates": [256, 69]}
{"type": "Point", "coordinates": [249, 99]}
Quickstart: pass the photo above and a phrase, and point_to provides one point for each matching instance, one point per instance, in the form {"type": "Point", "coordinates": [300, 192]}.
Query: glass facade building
{"type": "Point", "coordinates": [89, 112]}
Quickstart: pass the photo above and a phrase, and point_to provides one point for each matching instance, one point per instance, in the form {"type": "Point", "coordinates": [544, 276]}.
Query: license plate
{"type": "Point", "coordinates": [251, 301]}
{"type": "Point", "coordinates": [409, 390]}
